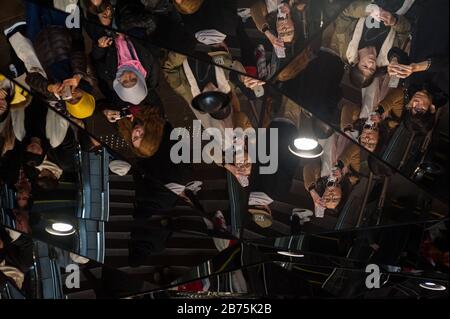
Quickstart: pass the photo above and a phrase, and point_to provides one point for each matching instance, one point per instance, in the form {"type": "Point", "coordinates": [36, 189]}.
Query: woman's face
{"type": "Point", "coordinates": [369, 139]}
{"type": "Point", "coordinates": [332, 197]}
{"type": "Point", "coordinates": [106, 17]}
{"type": "Point", "coordinates": [137, 135]}
{"type": "Point", "coordinates": [22, 198]}
{"type": "Point", "coordinates": [421, 103]}
{"type": "Point", "coordinates": [128, 79]}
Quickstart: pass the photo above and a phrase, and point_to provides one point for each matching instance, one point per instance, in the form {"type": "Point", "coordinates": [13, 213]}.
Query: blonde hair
{"type": "Point", "coordinates": [153, 125]}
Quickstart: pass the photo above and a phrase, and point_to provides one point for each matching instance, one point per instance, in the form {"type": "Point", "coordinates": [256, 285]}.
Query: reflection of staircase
{"type": "Point", "coordinates": [282, 211]}
{"type": "Point", "coordinates": [182, 252]}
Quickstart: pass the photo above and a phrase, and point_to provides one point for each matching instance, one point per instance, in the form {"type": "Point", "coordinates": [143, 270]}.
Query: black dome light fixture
{"type": "Point", "coordinates": [215, 103]}
{"type": "Point", "coordinates": [306, 145]}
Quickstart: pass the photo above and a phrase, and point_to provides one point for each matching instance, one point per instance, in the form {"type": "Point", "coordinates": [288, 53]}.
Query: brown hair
{"type": "Point", "coordinates": [153, 125]}
{"type": "Point", "coordinates": [358, 79]}
{"type": "Point", "coordinates": [92, 9]}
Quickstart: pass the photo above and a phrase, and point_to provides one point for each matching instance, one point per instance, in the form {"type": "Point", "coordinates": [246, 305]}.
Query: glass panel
{"type": "Point", "coordinates": [264, 36]}
{"type": "Point", "coordinates": [104, 146]}
{"type": "Point", "coordinates": [401, 119]}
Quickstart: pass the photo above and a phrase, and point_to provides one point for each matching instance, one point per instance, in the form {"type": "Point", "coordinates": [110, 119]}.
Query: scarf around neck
{"type": "Point", "coordinates": [127, 56]}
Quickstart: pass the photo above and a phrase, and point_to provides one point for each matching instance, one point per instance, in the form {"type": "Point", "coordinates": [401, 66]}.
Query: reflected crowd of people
{"type": "Point", "coordinates": [343, 83]}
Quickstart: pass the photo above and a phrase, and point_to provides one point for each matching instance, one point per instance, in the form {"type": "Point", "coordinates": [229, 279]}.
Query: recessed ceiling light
{"type": "Point", "coordinates": [60, 229]}
{"type": "Point", "coordinates": [432, 286]}
{"type": "Point", "coordinates": [305, 144]}
{"type": "Point", "coordinates": [306, 147]}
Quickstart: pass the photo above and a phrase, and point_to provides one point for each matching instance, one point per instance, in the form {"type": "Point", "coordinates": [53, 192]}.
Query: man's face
{"type": "Point", "coordinates": [369, 139]}
{"type": "Point", "coordinates": [420, 103]}
{"type": "Point", "coordinates": [285, 26]}
{"type": "Point", "coordinates": [332, 197]}
{"type": "Point", "coordinates": [367, 61]}
{"type": "Point", "coordinates": [35, 147]}
{"type": "Point", "coordinates": [128, 79]}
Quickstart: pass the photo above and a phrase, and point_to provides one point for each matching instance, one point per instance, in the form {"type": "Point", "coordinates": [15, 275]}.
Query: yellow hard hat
{"type": "Point", "coordinates": [84, 108]}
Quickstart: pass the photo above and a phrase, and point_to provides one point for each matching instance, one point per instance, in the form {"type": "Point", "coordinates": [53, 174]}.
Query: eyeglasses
{"type": "Point", "coordinates": [332, 198]}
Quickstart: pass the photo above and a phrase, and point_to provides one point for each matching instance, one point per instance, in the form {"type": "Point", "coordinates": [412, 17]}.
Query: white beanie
{"type": "Point", "coordinates": [210, 37]}
{"type": "Point", "coordinates": [120, 168]}
{"type": "Point", "coordinates": [134, 95]}
{"type": "Point", "coordinates": [259, 199]}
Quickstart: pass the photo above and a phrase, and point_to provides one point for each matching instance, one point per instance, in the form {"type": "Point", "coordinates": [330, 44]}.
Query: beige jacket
{"type": "Point", "coordinates": [348, 31]}
{"type": "Point", "coordinates": [350, 157]}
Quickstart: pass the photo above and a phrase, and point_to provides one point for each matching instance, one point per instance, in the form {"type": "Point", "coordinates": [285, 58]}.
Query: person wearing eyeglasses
{"type": "Point", "coordinates": [373, 131]}
{"type": "Point", "coordinates": [421, 103]}
{"type": "Point", "coordinates": [363, 35]}
{"type": "Point", "coordinates": [329, 190]}
{"type": "Point", "coordinates": [427, 58]}
{"type": "Point", "coordinates": [367, 131]}
{"type": "Point", "coordinates": [276, 19]}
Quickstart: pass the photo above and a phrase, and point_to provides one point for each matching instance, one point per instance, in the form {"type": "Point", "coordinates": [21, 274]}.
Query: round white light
{"type": "Point", "coordinates": [289, 254]}
{"type": "Point", "coordinates": [305, 144]}
{"type": "Point", "coordinates": [62, 227]}
{"type": "Point", "coordinates": [432, 286]}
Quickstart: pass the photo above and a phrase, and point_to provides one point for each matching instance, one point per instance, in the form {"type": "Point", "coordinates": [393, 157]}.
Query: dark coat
{"type": "Point", "coordinates": [10, 165]}
{"type": "Point", "coordinates": [35, 126]}
{"type": "Point", "coordinates": [132, 14]}
{"type": "Point", "coordinates": [55, 47]}
{"type": "Point", "coordinates": [430, 41]}
{"type": "Point", "coordinates": [19, 253]}
{"type": "Point", "coordinates": [106, 62]}
{"type": "Point", "coordinates": [214, 14]}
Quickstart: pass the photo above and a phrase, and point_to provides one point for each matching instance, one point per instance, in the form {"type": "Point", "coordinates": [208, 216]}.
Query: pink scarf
{"type": "Point", "coordinates": [127, 58]}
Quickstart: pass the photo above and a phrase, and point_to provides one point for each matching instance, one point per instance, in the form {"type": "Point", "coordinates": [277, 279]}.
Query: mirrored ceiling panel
{"type": "Point", "coordinates": [185, 147]}
{"type": "Point", "coordinates": [264, 35]}
{"type": "Point", "coordinates": [377, 76]}
{"type": "Point", "coordinates": [324, 180]}
{"type": "Point", "coordinates": [281, 280]}
{"type": "Point", "coordinates": [32, 269]}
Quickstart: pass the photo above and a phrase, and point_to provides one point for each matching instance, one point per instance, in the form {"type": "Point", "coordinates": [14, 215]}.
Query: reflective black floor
{"type": "Point", "coordinates": [224, 149]}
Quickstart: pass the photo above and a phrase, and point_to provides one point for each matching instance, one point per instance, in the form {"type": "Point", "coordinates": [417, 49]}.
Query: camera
{"type": "Point", "coordinates": [111, 34]}
{"type": "Point", "coordinates": [124, 113]}
{"type": "Point", "coordinates": [66, 93]}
